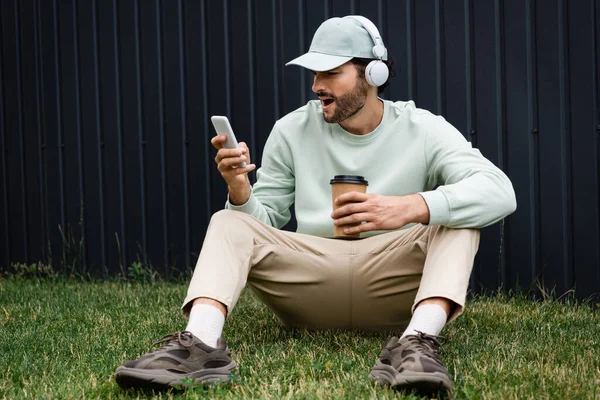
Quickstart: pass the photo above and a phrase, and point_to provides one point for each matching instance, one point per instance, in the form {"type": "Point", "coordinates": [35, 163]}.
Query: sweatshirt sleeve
{"type": "Point", "coordinates": [273, 193]}
{"type": "Point", "coordinates": [467, 190]}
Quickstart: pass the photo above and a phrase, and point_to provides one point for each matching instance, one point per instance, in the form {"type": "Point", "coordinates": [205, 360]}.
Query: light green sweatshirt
{"type": "Point", "coordinates": [411, 151]}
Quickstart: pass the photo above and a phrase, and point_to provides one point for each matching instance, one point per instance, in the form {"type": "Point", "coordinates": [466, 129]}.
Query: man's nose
{"type": "Point", "coordinates": [318, 84]}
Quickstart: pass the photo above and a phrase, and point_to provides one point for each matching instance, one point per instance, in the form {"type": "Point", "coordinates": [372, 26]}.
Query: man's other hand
{"type": "Point", "coordinates": [377, 212]}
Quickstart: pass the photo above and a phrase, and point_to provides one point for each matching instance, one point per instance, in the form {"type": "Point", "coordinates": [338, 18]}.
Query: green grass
{"type": "Point", "coordinates": [63, 339]}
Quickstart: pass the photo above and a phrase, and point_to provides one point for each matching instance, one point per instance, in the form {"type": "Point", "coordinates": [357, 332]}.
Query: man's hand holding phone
{"type": "Point", "coordinates": [233, 161]}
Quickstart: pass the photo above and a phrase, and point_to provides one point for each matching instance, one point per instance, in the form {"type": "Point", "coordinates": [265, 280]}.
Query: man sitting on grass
{"type": "Point", "coordinates": [428, 193]}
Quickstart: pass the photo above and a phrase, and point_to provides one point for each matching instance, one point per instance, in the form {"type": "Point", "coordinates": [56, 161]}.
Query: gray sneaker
{"type": "Point", "coordinates": [410, 363]}
{"type": "Point", "coordinates": [183, 360]}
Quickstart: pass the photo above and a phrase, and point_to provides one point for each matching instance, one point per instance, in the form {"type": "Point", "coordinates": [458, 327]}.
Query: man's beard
{"type": "Point", "coordinates": [348, 104]}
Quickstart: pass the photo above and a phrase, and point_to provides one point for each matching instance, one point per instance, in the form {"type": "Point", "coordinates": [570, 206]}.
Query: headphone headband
{"type": "Point", "coordinates": [378, 48]}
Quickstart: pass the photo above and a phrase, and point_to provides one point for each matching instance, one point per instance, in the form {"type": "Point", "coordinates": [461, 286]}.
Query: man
{"type": "Point", "coordinates": [429, 192]}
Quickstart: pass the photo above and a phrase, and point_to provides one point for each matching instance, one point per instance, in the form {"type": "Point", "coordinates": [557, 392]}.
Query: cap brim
{"type": "Point", "coordinates": [319, 61]}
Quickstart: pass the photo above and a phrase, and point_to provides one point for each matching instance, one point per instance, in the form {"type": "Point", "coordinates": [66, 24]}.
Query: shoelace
{"type": "Point", "coordinates": [184, 338]}
{"type": "Point", "coordinates": [425, 342]}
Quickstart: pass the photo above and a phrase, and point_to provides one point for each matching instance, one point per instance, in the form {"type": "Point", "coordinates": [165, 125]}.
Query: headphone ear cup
{"type": "Point", "coordinates": [377, 73]}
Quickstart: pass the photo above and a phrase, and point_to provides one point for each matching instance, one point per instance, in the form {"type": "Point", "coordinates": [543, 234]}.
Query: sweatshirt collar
{"type": "Point", "coordinates": [366, 138]}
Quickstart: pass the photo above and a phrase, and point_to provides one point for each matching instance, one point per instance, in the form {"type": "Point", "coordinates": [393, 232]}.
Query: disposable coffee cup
{"type": "Point", "coordinates": [341, 184]}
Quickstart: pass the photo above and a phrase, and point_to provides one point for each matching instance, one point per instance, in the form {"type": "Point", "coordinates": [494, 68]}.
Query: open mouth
{"type": "Point", "coordinates": [326, 102]}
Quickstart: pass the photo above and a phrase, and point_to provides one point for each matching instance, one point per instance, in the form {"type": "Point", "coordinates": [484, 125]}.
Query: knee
{"type": "Point", "coordinates": [466, 235]}
{"type": "Point", "coordinates": [227, 217]}
{"type": "Point", "coordinates": [223, 216]}
{"type": "Point", "coordinates": [228, 220]}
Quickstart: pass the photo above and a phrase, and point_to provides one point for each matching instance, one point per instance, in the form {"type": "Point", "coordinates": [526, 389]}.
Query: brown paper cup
{"type": "Point", "coordinates": [341, 184]}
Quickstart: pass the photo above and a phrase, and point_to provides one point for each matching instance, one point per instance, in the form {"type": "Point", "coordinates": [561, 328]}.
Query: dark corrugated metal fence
{"type": "Point", "coordinates": [105, 107]}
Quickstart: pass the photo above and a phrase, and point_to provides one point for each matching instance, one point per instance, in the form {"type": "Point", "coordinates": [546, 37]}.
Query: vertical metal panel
{"type": "Point", "coordinates": [488, 270]}
{"type": "Point", "coordinates": [470, 107]}
{"type": "Point", "coordinates": [100, 146]}
{"type": "Point", "coordinates": [30, 132]}
{"type": "Point", "coordinates": [5, 256]}
{"type": "Point", "coordinates": [75, 221]}
{"type": "Point", "coordinates": [380, 21]}
{"type": "Point", "coordinates": [267, 59]}
{"type": "Point", "coordinates": [565, 109]}
{"type": "Point", "coordinates": [294, 80]}
{"type": "Point", "coordinates": [411, 50]}
{"type": "Point", "coordinates": [92, 146]}
{"type": "Point", "coordinates": [165, 226]}
{"type": "Point", "coordinates": [129, 90]}
{"type": "Point", "coordinates": [217, 74]}
{"type": "Point", "coordinates": [154, 132]}
{"type": "Point", "coordinates": [105, 116]}
{"type": "Point", "coordinates": [470, 71]}
{"type": "Point", "coordinates": [551, 147]}
{"type": "Point", "coordinates": [242, 115]}
{"type": "Point", "coordinates": [187, 249]}
{"type": "Point", "coordinates": [534, 162]}
{"type": "Point", "coordinates": [313, 17]}
{"type": "Point", "coordinates": [206, 103]}
{"type": "Point", "coordinates": [455, 65]}
{"type": "Point", "coordinates": [367, 8]}
{"type": "Point", "coordinates": [111, 158]}
{"type": "Point", "coordinates": [276, 59]}
{"type": "Point", "coordinates": [227, 53]}
{"type": "Point", "coordinates": [22, 133]}
{"type": "Point", "coordinates": [40, 222]}
{"type": "Point", "coordinates": [517, 239]}
{"type": "Point", "coordinates": [580, 19]}
{"type": "Point", "coordinates": [252, 75]}
{"type": "Point", "coordinates": [398, 47]}
{"type": "Point", "coordinates": [339, 8]}
{"type": "Point", "coordinates": [440, 57]}
{"type": "Point", "coordinates": [426, 65]}
{"type": "Point", "coordinates": [175, 134]}
{"type": "Point", "coordinates": [17, 204]}
{"type": "Point", "coordinates": [200, 160]}
{"type": "Point", "coordinates": [54, 174]}
{"type": "Point", "coordinates": [596, 87]}
{"type": "Point", "coordinates": [499, 28]}
{"type": "Point", "coordinates": [122, 239]}
{"type": "Point", "coordinates": [500, 81]}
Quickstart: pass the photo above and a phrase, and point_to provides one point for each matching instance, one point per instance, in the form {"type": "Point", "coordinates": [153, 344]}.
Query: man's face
{"type": "Point", "coordinates": [341, 91]}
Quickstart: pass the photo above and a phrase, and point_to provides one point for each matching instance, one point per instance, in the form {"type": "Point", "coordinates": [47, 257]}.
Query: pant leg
{"type": "Point", "coordinates": [387, 271]}
{"type": "Point", "coordinates": [321, 283]}
{"type": "Point", "coordinates": [394, 271]}
{"type": "Point", "coordinates": [307, 281]}
{"type": "Point", "coordinates": [290, 272]}
{"type": "Point", "coordinates": [448, 266]}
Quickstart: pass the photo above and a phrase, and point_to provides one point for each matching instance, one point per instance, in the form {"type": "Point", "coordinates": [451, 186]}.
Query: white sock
{"type": "Point", "coordinates": [427, 318]}
{"type": "Point", "coordinates": [206, 323]}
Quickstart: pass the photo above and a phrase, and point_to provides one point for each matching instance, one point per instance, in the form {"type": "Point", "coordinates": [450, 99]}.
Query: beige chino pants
{"type": "Point", "coordinates": [370, 284]}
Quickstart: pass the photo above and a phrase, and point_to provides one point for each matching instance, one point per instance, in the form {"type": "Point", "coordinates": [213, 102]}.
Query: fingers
{"type": "Point", "coordinates": [229, 160]}
{"type": "Point", "coordinates": [369, 226]}
{"type": "Point", "coordinates": [352, 219]}
{"type": "Point", "coordinates": [349, 207]}
{"type": "Point", "coordinates": [245, 150]}
{"type": "Point", "coordinates": [351, 197]}
{"type": "Point", "coordinates": [225, 162]}
{"type": "Point", "coordinates": [243, 170]}
{"type": "Point", "coordinates": [233, 156]}
{"type": "Point", "coordinates": [217, 141]}
{"type": "Point", "coordinates": [243, 145]}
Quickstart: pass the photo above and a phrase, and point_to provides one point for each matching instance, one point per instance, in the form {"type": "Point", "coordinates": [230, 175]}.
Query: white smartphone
{"type": "Point", "coordinates": [223, 127]}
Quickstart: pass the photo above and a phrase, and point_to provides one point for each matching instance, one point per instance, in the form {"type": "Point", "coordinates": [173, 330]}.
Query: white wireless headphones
{"type": "Point", "coordinates": [377, 72]}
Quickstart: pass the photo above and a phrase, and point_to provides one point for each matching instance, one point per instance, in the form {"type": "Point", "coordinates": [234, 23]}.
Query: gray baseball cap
{"type": "Point", "coordinates": [337, 41]}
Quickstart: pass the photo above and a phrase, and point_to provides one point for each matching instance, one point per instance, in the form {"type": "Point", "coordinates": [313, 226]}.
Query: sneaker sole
{"type": "Point", "coordinates": [422, 381]}
{"type": "Point", "coordinates": [164, 379]}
